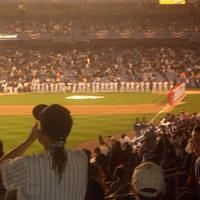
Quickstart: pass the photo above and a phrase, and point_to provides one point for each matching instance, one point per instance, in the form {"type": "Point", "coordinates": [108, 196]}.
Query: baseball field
{"type": "Point", "coordinates": [105, 114]}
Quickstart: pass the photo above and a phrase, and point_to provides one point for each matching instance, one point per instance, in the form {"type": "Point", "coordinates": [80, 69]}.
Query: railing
{"type": "Point", "coordinates": [112, 35]}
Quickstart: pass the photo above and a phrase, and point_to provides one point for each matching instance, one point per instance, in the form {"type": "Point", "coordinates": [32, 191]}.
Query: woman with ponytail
{"type": "Point", "coordinates": [55, 174]}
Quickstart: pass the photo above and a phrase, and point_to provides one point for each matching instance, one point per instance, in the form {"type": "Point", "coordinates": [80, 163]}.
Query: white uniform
{"type": "Point", "coordinates": [88, 87]}
{"type": "Point", "coordinates": [4, 85]}
{"type": "Point", "coordinates": [102, 87]}
{"type": "Point", "coordinates": [122, 86]}
{"type": "Point", "coordinates": [160, 84]}
{"type": "Point", "coordinates": [154, 86]}
{"type": "Point", "coordinates": [34, 86]}
{"type": "Point", "coordinates": [137, 86]}
{"type": "Point", "coordinates": [142, 86]}
{"type": "Point", "coordinates": [62, 87]}
{"type": "Point", "coordinates": [147, 86]}
{"type": "Point", "coordinates": [165, 86]}
{"type": "Point", "coordinates": [52, 87]}
{"type": "Point", "coordinates": [69, 87]}
{"type": "Point", "coordinates": [171, 84]}
{"type": "Point", "coordinates": [74, 87]}
{"type": "Point", "coordinates": [56, 87]}
{"type": "Point", "coordinates": [42, 87]}
{"type": "Point", "coordinates": [10, 88]}
{"type": "Point", "coordinates": [93, 87]}
{"type": "Point", "coordinates": [115, 86]}
{"type": "Point", "coordinates": [97, 87]}
{"type": "Point", "coordinates": [106, 87]}
{"type": "Point", "coordinates": [38, 87]}
{"type": "Point", "coordinates": [79, 87]}
{"type": "Point", "coordinates": [46, 86]}
{"type": "Point", "coordinates": [20, 86]}
{"type": "Point", "coordinates": [127, 87]}
{"type": "Point", "coordinates": [15, 88]}
{"type": "Point", "coordinates": [111, 89]}
{"type": "Point", "coordinates": [132, 86]}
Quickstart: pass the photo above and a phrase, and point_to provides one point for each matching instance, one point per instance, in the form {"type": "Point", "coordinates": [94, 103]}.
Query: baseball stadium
{"type": "Point", "coordinates": [116, 87]}
{"type": "Point", "coordinates": [112, 114]}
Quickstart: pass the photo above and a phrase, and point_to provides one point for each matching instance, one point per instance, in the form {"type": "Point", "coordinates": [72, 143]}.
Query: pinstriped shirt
{"type": "Point", "coordinates": [34, 178]}
{"type": "Point", "coordinates": [197, 170]}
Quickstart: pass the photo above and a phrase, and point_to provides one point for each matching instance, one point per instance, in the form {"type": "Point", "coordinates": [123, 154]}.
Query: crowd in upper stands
{"type": "Point", "coordinates": [141, 24]}
{"type": "Point", "coordinates": [35, 26]}
{"type": "Point", "coordinates": [23, 69]}
{"type": "Point", "coordinates": [97, 24]}
{"type": "Point", "coordinates": [90, 69]}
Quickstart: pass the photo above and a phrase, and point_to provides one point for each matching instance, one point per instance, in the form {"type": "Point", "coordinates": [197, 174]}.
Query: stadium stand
{"type": "Point", "coordinates": [169, 144]}
{"type": "Point", "coordinates": [135, 69]}
{"type": "Point", "coordinates": [113, 46]}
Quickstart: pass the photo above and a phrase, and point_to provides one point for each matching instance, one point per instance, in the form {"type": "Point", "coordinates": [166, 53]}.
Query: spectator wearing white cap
{"type": "Point", "coordinates": [148, 181]}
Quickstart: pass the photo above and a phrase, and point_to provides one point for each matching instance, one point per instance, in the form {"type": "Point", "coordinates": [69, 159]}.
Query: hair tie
{"type": "Point", "coordinates": [59, 144]}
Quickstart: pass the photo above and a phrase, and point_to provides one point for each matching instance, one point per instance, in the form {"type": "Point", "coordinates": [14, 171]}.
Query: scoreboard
{"type": "Point", "coordinates": [172, 2]}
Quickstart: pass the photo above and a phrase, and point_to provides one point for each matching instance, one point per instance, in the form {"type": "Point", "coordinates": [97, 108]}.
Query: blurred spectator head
{"type": "Point", "coordinates": [101, 140]}
{"type": "Point", "coordinates": [37, 110]}
{"type": "Point", "coordinates": [189, 147]}
{"type": "Point", "coordinates": [196, 139]}
{"type": "Point", "coordinates": [111, 139]}
{"type": "Point", "coordinates": [97, 150]}
{"type": "Point", "coordinates": [123, 135]}
{"type": "Point", "coordinates": [56, 122]}
{"type": "Point", "coordinates": [148, 181]}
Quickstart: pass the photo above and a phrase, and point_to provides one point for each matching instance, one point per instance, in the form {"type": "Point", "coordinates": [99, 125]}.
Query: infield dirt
{"type": "Point", "coordinates": [87, 109]}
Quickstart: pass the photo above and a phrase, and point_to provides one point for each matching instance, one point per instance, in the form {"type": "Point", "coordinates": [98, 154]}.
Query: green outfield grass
{"type": "Point", "coordinates": [191, 103]}
{"type": "Point", "coordinates": [14, 129]}
{"type": "Point", "coordinates": [109, 99]}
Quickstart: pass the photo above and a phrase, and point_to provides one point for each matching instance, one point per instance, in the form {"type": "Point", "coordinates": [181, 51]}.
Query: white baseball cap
{"type": "Point", "coordinates": [148, 179]}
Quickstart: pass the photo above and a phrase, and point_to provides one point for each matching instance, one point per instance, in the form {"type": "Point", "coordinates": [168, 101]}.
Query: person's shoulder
{"type": "Point", "coordinates": [36, 157]}
{"type": "Point", "coordinates": [77, 153]}
{"type": "Point", "coordinates": [13, 161]}
{"type": "Point", "coordinates": [198, 161]}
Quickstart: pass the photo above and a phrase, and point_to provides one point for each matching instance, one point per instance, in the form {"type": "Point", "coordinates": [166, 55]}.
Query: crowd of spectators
{"type": "Point", "coordinates": [160, 163]}
{"type": "Point", "coordinates": [138, 24]}
{"type": "Point", "coordinates": [171, 145]}
{"type": "Point", "coordinates": [36, 26]}
{"type": "Point", "coordinates": [66, 24]}
{"type": "Point", "coordinates": [23, 69]}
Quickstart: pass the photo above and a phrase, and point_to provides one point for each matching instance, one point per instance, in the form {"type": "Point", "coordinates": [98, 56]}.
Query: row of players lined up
{"type": "Point", "coordinates": [80, 87]}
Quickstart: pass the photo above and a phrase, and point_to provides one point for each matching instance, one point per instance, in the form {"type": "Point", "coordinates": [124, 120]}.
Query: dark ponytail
{"type": "Point", "coordinates": [59, 160]}
{"type": "Point", "coordinates": [56, 124]}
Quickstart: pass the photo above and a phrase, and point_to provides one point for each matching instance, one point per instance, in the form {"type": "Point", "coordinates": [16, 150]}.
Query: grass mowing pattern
{"type": "Point", "coordinates": [14, 129]}
{"type": "Point", "coordinates": [192, 104]}
{"type": "Point", "coordinates": [110, 99]}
